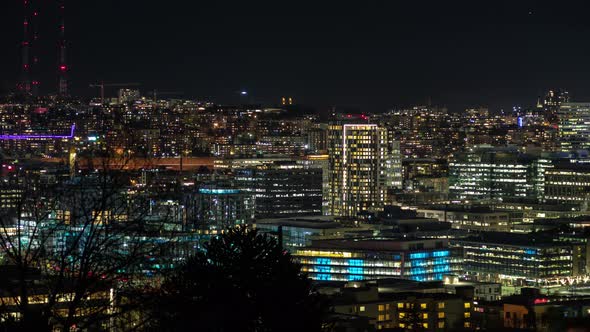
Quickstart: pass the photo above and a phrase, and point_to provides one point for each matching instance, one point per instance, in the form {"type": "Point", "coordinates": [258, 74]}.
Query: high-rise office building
{"type": "Point", "coordinates": [574, 126]}
{"type": "Point", "coordinates": [282, 189]}
{"type": "Point", "coordinates": [362, 166]}
{"type": "Point", "coordinates": [488, 173]}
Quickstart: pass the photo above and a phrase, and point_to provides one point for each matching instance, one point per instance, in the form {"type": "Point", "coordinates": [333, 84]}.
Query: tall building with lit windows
{"type": "Point", "coordinates": [363, 166]}
{"type": "Point", "coordinates": [574, 126]}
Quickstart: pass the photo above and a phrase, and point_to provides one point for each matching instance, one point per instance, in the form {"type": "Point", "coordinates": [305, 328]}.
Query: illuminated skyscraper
{"type": "Point", "coordinates": [361, 167]}
{"type": "Point", "coordinates": [574, 126]}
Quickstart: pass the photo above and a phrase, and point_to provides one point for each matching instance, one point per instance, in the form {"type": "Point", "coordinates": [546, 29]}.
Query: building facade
{"type": "Point", "coordinates": [283, 189]}
{"type": "Point", "coordinates": [574, 126]}
{"type": "Point", "coordinates": [518, 259]}
{"type": "Point", "coordinates": [364, 259]}
{"type": "Point", "coordinates": [362, 168]}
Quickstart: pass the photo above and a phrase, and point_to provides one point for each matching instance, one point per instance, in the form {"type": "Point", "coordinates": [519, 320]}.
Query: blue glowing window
{"type": "Point", "coordinates": [397, 257]}
{"type": "Point", "coordinates": [443, 253]}
{"type": "Point", "coordinates": [419, 255]}
{"type": "Point", "coordinates": [355, 277]}
{"type": "Point", "coordinates": [355, 262]}
{"type": "Point", "coordinates": [418, 262]}
{"type": "Point", "coordinates": [323, 261]}
{"type": "Point", "coordinates": [438, 261]}
{"type": "Point", "coordinates": [530, 251]}
{"type": "Point", "coordinates": [442, 268]}
{"type": "Point", "coordinates": [323, 276]}
{"type": "Point", "coordinates": [323, 269]}
{"type": "Point", "coordinates": [355, 270]}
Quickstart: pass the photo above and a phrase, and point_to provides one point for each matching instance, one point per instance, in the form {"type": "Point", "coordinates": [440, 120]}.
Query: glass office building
{"type": "Point", "coordinates": [366, 259]}
{"type": "Point", "coordinates": [516, 258]}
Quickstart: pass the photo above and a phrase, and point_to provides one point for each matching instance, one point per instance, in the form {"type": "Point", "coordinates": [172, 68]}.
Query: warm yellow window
{"type": "Point", "coordinates": [381, 318]}
{"type": "Point", "coordinates": [425, 325]}
{"type": "Point", "coordinates": [400, 305]}
{"type": "Point", "coordinates": [467, 314]}
{"type": "Point", "coordinates": [387, 306]}
{"type": "Point", "coordinates": [441, 305]}
{"type": "Point", "coordinates": [402, 325]}
{"type": "Point", "coordinates": [425, 316]}
{"type": "Point", "coordinates": [441, 325]}
{"type": "Point", "coordinates": [441, 315]}
{"type": "Point", "coordinates": [381, 307]}
{"type": "Point", "coordinates": [362, 308]}
{"type": "Point", "coordinates": [402, 315]}
{"type": "Point", "coordinates": [467, 324]}
{"type": "Point", "coordinates": [422, 305]}
{"type": "Point", "coordinates": [467, 305]}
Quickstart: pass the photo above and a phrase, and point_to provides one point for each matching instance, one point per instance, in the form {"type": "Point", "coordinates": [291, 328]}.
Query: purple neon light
{"type": "Point", "coordinates": [17, 137]}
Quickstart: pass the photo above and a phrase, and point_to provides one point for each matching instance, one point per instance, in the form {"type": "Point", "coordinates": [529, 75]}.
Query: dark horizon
{"type": "Point", "coordinates": [372, 56]}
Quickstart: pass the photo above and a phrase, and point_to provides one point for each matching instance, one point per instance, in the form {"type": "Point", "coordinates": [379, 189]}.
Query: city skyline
{"type": "Point", "coordinates": [294, 167]}
{"type": "Point", "coordinates": [371, 57]}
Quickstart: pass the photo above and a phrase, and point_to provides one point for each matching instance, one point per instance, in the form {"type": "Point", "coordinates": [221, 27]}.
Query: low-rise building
{"type": "Point", "coordinates": [414, 311]}
{"type": "Point", "coordinates": [375, 258]}
{"type": "Point", "coordinates": [518, 259]}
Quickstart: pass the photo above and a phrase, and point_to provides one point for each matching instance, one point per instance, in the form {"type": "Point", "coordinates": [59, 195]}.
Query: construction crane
{"type": "Point", "coordinates": [102, 85]}
{"type": "Point", "coordinates": [158, 92]}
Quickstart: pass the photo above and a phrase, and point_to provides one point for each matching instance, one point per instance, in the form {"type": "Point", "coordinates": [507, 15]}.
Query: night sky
{"type": "Point", "coordinates": [370, 55]}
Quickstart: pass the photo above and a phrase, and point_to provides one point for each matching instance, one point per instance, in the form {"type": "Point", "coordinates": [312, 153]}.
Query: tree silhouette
{"type": "Point", "coordinates": [243, 281]}
{"type": "Point", "coordinates": [68, 250]}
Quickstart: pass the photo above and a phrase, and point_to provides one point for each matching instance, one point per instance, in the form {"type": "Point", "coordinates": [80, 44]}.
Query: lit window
{"type": "Point", "coordinates": [422, 305]}
{"type": "Point", "coordinates": [381, 307]}
{"type": "Point", "coordinates": [441, 325]}
{"type": "Point", "coordinates": [441, 305]}
{"type": "Point", "coordinates": [400, 305]}
{"type": "Point", "coordinates": [467, 305]}
{"type": "Point", "coordinates": [402, 325]}
{"type": "Point", "coordinates": [381, 318]}
{"type": "Point", "coordinates": [402, 315]}
{"type": "Point", "coordinates": [362, 308]}
{"type": "Point", "coordinates": [467, 324]}
{"type": "Point", "coordinates": [441, 315]}
{"type": "Point", "coordinates": [467, 314]}
{"type": "Point", "coordinates": [425, 316]}
{"type": "Point", "coordinates": [425, 325]}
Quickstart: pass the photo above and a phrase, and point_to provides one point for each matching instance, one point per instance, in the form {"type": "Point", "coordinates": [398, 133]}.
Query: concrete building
{"type": "Point", "coordinates": [414, 311]}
